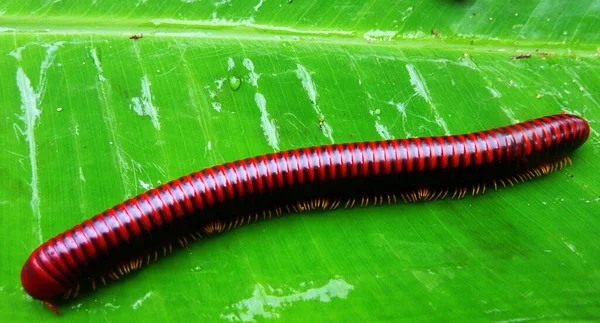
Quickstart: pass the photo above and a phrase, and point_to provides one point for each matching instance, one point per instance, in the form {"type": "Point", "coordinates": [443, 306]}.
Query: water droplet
{"type": "Point", "coordinates": [234, 83]}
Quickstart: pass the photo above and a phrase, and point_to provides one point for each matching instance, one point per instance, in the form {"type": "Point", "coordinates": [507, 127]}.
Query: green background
{"type": "Point", "coordinates": [90, 118]}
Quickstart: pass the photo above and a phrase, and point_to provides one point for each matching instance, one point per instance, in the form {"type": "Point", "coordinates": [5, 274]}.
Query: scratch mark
{"type": "Point", "coordinates": [29, 117]}
{"type": "Point", "coordinates": [495, 93]}
{"type": "Point", "coordinates": [48, 4]}
{"type": "Point", "coordinates": [260, 3]}
{"type": "Point", "coordinates": [145, 185]}
{"type": "Point", "coordinates": [311, 90]}
{"type": "Point", "coordinates": [139, 302]}
{"type": "Point", "coordinates": [382, 130]}
{"type": "Point", "coordinates": [143, 105]}
{"type": "Point", "coordinates": [81, 177]}
{"type": "Point", "coordinates": [30, 99]}
{"type": "Point", "coordinates": [252, 76]}
{"type": "Point", "coordinates": [230, 64]}
{"type": "Point", "coordinates": [267, 302]}
{"type": "Point", "coordinates": [422, 90]}
{"type": "Point", "coordinates": [110, 121]}
{"type": "Point", "coordinates": [268, 126]}
{"type": "Point", "coordinates": [401, 107]}
{"type": "Point", "coordinates": [216, 106]}
{"type": "Point", "coordinates": [509, 114]}
{"type": "Point", "coordinates": [222, 2]}
{"type": "Point", "coordinates": [99, 69]}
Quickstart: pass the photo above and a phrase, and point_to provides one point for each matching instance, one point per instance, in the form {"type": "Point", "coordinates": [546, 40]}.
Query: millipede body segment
{"type": "Point", "coordinates": [134, 233]}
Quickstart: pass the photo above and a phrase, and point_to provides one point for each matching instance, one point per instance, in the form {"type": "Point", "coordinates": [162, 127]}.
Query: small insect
{"type": "Point", "coordinates": [521, 56]}
{"type": "Point", "coordinates": [135, 233]}
{"type": "Point", "coordinates": [321, 123]}
{"type": "Point", "coordinates": [136, 36]}
{"type": "Point", "coordinates": [435, 32]}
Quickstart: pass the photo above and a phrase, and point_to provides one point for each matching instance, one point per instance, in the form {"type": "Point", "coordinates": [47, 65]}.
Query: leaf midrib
{"type": "Point", "coordinates": [247, 30]}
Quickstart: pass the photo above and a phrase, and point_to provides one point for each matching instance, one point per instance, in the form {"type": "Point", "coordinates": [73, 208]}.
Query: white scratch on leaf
{"type": "Point", "coordinates": [495, 93]}
{"type": "Point", "coordinates": [382, 130]}
{"type": "Point", "coordinates": [252, 76]}
{"type": "Point", "coordinates": [265, 304]}
{"type": "Point", "coordinates": [269, 128]}
{"type": "Point", "coordinates": [123, 166]}
{"type": "Point", "coordinates": [30, 100]}
{"type": "Point", "coordinates": [216, 106]}
{"type": "Point", "coordinates": [230, 64]}
{"type": "Point", "coordinates": [422, 90]}
{"type": "Point", "coordinates": [311, 90]}
{"type": "Point", "coordinates": [81, 177]}
{"type": "Point", "coordinates": [139, 302]}
{"type": "Point", "coordinates": [222, 2]}
{"type": "Point", "coordinates": [48, 3]}
{"type": "Point", "coordinates": [509, 114]}
{"type": "Point", "coordinates": [145, 185]}
{"type": "Point", "coordinates": [29, 117]}
{"type": "Point", "coordinates": [260, 3]}
{"type": "Point", "coordinates": [99, 69]}
{"type": "Point", "coordinates": [143, 105]}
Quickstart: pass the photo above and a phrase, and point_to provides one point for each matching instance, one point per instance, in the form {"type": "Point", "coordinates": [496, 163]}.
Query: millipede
{"type": "Point", "coordinates": [137, 232]}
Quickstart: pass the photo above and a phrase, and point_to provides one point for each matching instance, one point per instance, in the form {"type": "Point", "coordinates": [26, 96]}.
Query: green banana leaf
{"type": "Point", "coordinates": [90, 117]}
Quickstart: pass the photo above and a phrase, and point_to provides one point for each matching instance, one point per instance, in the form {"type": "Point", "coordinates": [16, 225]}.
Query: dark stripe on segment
{"type": "Point", "coordinates": [125, 211]}
{"type": "Point", "coordinates": [46, 264]}
{"type": "Point", "coordinates": [308, 164]}
{"type": "Point", "coordinates": [479, 148]}
{"type": "Point", "coordinates": [454, 153]}
{"type": "Point", "coordinates": [431, 153]}
{"type": "Point", "coordinates": [265, 173]}
{"type": "Point", "coordinates": [185, 194]}
{"type": "Point", "coordinates": [333, 157]}
{"type": "Point", "coordinates": [151, 212]}
{"type": "Point", "coordinates": [443, 153]}
{"type": "Point", "coordinates": [125, 230]}
{"type": "Point", "coordinates": [535, 134]}
{"type": "Point", "coordinates": [514, 145]}
{"type": "Point", "coordinates": [388, 157]}
{"type": "Point", "coordinates": [544, 133]}
{"type": "Point", "coordinates": [284, 160]}
{"type": "Point", "coordinates": [378, 158]}
{"type": "Point", "coordinates": [317, 159]}
{"type": "Point", "coordinates": [409, 160]}
{"type": "Point", "coordinates": [565, 132]}
{"type": "Point", "coordinates": [105, 230]}
{"type": "Point", "coordinates": [462, 152]}
{"type": "Point", "coordinates": [167, 195]}
{"type": "Point", "coordinates": [224, 183]}
{"type": "Point", "coordinates": [242, 176]}
{"type": "Point", "coordinates": [254, 180]}
{"type": "Point", "coordinates": [142, 212]}
{"type": "Point", "coordinates": [297, 167]}
{"type": "Point", "coordinates": [65, 254]}
{"type": "Point", "coordinates": [116, 225]}
{"type": "Point", "coordinates": [96, 238]}
{"type": "Point", "coordinates": [276, 172]}
{"type": "Point", "coordinates": [67, 276]}
{"type": "Point", "coordinates": [84, 243]}
{"type": "Point", "coordinates": [209, 185]}
{"type": "Point", "coordinates": [74, 249]}
{"type": "Point", "coordinates": [353, 162]}
{"type": "Point", "coordinates": [342, 161]}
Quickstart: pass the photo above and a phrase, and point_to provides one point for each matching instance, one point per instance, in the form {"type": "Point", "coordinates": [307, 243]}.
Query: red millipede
{"type": "Point", "coordinates": [131, 234]}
